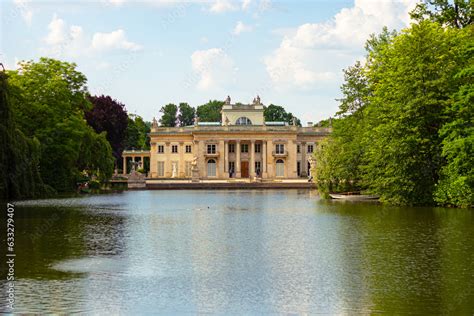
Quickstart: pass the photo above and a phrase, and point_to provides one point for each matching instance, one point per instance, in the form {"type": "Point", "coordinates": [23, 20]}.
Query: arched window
{"type": "Point", "coordinates": [280, 168]}
{"type": "Point", "coordinates": [243, 121]}
{"type": "Point", "coordinates": [211, 168]}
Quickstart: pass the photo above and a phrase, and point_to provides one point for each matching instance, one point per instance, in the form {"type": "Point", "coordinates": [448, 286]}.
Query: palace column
{"type": "Point", "coordinates": [181, 166]}
{"type": "Point", "coordinates": [124, 170]}
{"type": "Point", "coordinates": [270, 160]}
{"type": "Point", "coordinates": [221, 159]}
{"type": "Point", "coordinates": [226, 159]}
{"type": "Point", "coordinates": [252, 158]}
{"type": "Point", "coordinates": [237, 159]}
{"type": "Point", "coordinates": [304, 163]}
{"type": "Point", "coordinates": [264, 158]}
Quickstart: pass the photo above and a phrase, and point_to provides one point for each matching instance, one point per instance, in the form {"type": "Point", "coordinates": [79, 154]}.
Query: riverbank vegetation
{"type": "Point", "coordinates": [54, 134]}
{"type": "Point", "coordinates": [405, 122]}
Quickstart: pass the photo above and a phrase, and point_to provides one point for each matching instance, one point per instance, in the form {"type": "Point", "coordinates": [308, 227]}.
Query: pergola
{"type": "Point", "coordinates": [136, 156]}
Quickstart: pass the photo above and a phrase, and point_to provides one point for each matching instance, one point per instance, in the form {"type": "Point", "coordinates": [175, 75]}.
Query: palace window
{"type": "Point", "coordinates": [231, 148]}
{"type": "Point", "coordinates": [211, 168]}
{"type": "Point", "coordinates": [244, 148]}
{"type": "Point", "coordinates": [280, 168]}
{"type": "Point", "coordinates": [243, 121]}
{"type": "Point", "coordinates": [298, 149]}
{"type": "Point", "coordinates": [298, 168]}
{"type": "Point", "coordinates": [174, 149]}
{"type": "Point", "coordinates": [188, 149]}
{"type": "Point", "coordinates": [188, 168]}
{"type": "Point", "coordinates": [211, 149]}
{"type": "Point", "coordinates": [258, 148]}
{"type": "Point", "coordinates": [280, 148]}
{"type": "Point", "coordinates": [161, 149]}
{"type": "Point", "coordinates": [161, 168]}
{"type": "Point", "coordinates": [310, 149]}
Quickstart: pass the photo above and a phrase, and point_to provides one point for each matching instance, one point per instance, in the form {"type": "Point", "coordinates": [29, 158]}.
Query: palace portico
{"type": "Point", "coordinates": [242, 146]}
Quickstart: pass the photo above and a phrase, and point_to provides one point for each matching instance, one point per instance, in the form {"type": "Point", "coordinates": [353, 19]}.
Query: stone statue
{"type": "Point", "coordinates": [226, 122]}
{"type": "Point", "coordinates": [293, 120]}
{"type": "Point", "coordinates": [312, 165]}
{"type": "Point", "coordinates": [194, 170]}
{"type": "Point", "coordinates": [175, 172]}
{"type": "Point", "coordinates": [227, 100]}
{"type": "Point", "coordinates": [257, 100]}
{"type": "Point", "coordinates": [196, 121]}
{"type": "Point", "coordinates": [194, 162]}
{"type": "Point", "coordinates": [154, 124]}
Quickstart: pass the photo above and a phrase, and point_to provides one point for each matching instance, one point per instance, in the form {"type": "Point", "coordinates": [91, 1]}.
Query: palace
{"type": "Point", "coordinates": [242, 146]}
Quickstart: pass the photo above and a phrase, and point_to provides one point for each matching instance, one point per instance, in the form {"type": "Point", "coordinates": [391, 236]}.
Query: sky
{"type": "Point", "coordinates": [150, 53]}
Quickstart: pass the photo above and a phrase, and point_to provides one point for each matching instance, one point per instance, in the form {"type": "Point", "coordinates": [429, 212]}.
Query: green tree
{"type": "Point", "coordinates": [456, 184]}
{"type": "Point", "coordinates": [186, 114]}
{"type": "Point", "coordinates": [276, 113]}
{"type": "Point", "coordinates": [136, 135]}
{"type": "Point", "coordinates": [457, 13]}
{"type": "Point", "coordinates": [48, 104]}
{"type": "Point", "coordinates": [19, 157]}
{"type": "Point", "coordinates": [405, 131]}
{"type": "Point", "coordinates": [414, 81]}
{"type": "Point", "coordinates": [355, 90]}
{"type": "Point", "coordinates": [210, 112]}
{"type": "Point", "coordinates": [168, 118]}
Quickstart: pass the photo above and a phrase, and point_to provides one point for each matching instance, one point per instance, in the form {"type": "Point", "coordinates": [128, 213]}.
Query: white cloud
{"type": "Point", "coordinates": [240, 27]}
{"type": "Point", "coordinates": [213, 67]}
{"type": "Point", "coordinates": [316, 52]}
{"type": "Point", "coordinates": [114, 2]}
{"type": "Point", "coordinates": [25, 10]}
{"type": "Point", "coordinates": [220, 6]}
{"type": "Point", "coordinates": [57, 31]}
{"type": "Point", "coordinates": [214, 6]}
{"type": "Point", "coordinates": [246, 4]}
{"type": "Point", "coordinates": [113, 40]}
{"type": "Point", "coordinates": [62, 40]}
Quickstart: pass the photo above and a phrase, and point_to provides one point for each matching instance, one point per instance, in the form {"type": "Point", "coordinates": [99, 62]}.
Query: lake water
{"type": "Point", "coordinates": [239, 252]}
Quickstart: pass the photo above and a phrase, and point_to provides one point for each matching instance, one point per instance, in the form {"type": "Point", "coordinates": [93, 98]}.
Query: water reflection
{"type": "Point", "coordinates": [239, 252]}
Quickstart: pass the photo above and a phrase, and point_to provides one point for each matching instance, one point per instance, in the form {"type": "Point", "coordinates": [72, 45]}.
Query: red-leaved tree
{"type": "Point", "coordinates": [109, 115]}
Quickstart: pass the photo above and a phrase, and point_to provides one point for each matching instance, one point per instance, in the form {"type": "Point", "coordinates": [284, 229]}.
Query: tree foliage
{"type": "Point", "coordinates": [48, 104]}
{"type": "Point", "coordinates": [276, 113]}
{"type": "Point", "coordinates": [19, 157]}
{"type": "Point", "coordinates": [186, 114]}
{"type": "Point", "coordinates": [136, 135]}
{"type": "Point", "coordinates": [109, 115]}
{"type": "Point", "coordinates": [404, 133]}
{"type": "Point", "coordinates": [355, 90]}
{"type": "Point", "coordinates": [457, 175]}
{"type": "Point", "coordinates": [168, 116]}
{"type": "Point", "coordinates": [457, 13]}
{"type": "Point", "coordinates": [210, 112]}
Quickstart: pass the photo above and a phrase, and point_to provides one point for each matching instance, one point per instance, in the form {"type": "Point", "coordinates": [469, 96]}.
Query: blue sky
{"type": "Point", "coordinates": [150, 53]}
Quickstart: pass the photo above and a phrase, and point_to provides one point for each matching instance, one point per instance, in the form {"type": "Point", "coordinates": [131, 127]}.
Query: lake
{"type": "Point", "coordinates": [239, 252]}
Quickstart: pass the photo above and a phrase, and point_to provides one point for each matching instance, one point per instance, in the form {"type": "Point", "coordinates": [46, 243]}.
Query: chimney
{"type": "Point", "coordinates": [310, 124]}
